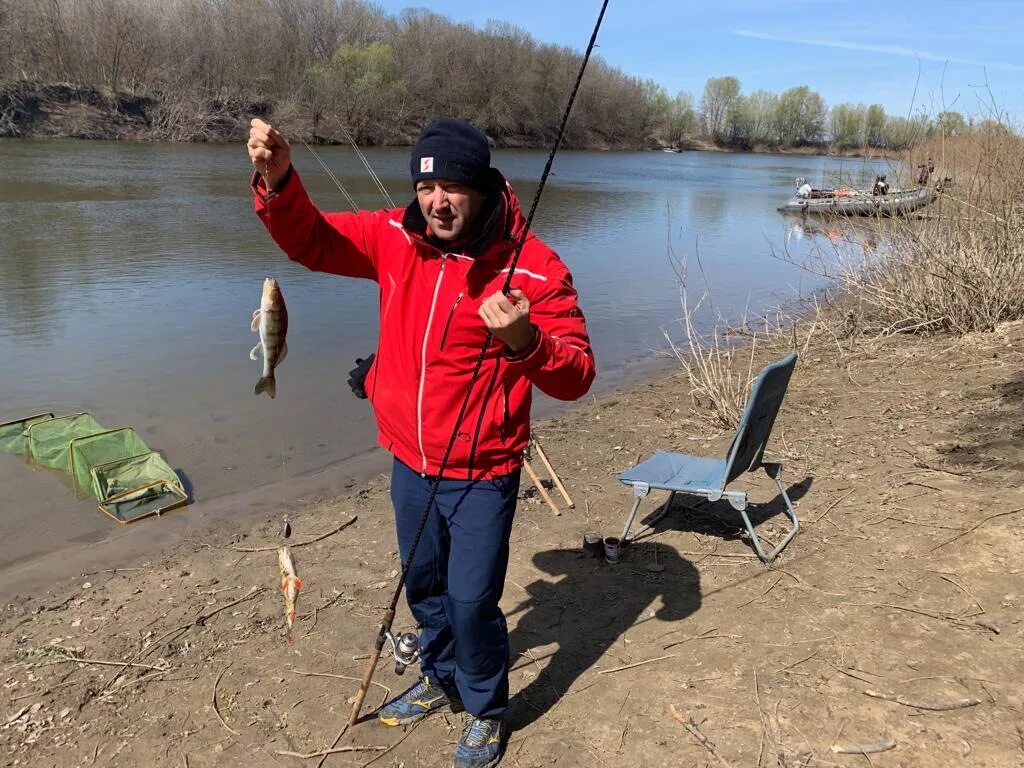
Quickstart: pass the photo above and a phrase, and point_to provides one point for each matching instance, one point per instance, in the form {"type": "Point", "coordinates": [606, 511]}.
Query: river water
{"type": "Point", "coordinates": [130, 273]}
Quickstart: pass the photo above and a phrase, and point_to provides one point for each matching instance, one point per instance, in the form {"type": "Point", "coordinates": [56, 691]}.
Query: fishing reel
{"type": "Point", "coordinates": [405, 648]}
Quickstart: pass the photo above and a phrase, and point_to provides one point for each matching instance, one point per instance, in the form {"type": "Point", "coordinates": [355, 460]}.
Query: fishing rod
{"type": "Point", "coordinates": [384, 633]}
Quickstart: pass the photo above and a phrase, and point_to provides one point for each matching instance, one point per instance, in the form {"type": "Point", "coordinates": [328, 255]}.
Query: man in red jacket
{"type": "Point", "coordinates": [441, 264]}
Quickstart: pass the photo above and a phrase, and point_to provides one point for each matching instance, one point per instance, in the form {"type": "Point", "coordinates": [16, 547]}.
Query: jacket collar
{"type": "Point", "coordinates": [503, 223]}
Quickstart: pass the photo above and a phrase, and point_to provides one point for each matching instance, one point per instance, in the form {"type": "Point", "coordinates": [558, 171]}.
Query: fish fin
{"type": "Point", "coordinates": [284, 352]}
{"type": "Point", "coordinates": [255, 321]}
{"type": "Point", "coordinates": [266, 384]}
{"type": "Point", "coordinates": [298, 583]}
{"type": "Point", "coordinates": [256, 352]}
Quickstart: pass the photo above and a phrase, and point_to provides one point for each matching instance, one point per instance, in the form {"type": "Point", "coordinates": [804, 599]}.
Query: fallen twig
{"type": "Point", "coordinates": [215, 709]}
{"type": "Point", "coordinates": [637, 664]}
{"type": "Point", "coordinates": [705, 635]}
{"type": "Point", "coordinates": [378, 757]}
{"type": "Point", "coordinates": [695, 731]}
{"type": "Point", "coordinates": [975, 527]}
{"type": "Point", "coordinates": [754, 599]}
{"type": "Point", "coordinates": [866, 749]}
{"type": "Point", "coordinates": [833, 505]}
{"type": "Point", "coordinates": [331, 751]}
{"type": "Point", "coordinates": [199, 620]}
{"type": "Point", "coordinates": [67, 656]}
{"type": "Point", "coordinates": [334, 744]}
{"type": "Point", "coordinates": [341, 527]}
{"type": "Point", "coordinates": [961, 704]}
{"type": "Point", "coordinates": [387, 691]}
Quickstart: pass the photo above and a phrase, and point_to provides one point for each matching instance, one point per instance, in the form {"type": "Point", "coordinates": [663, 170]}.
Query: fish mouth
{"type": "Point", "coordinates": [271, 290]}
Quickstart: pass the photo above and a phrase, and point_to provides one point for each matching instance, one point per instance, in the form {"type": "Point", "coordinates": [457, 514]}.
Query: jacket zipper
{"type": "Point", "coordinates": [448, 323]}
{"type": "Point", "coordinates": [423, 364]}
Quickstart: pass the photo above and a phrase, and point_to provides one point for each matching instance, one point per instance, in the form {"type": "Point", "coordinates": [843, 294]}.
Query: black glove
{"type": "Point", "coordinates": [357, 376]}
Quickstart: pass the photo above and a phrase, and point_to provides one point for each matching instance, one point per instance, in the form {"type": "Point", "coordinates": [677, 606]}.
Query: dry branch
{"type": "Point", "coordinates": [215, 708]}
{"type": "Point", "coordinates": [961, 704]}
{"type": "Point", "coordinates": [689, 725]}
{"type": "Point", "coordinates": [638, 664]}
{"type": "Point", "coordinates": [331, 751]}
{"type": "Point", "coordinates": [975, 527]}
{"type": "Point", "coordinates": [341, 527]}
{"type": "Point", "coordinates": [866, 749]}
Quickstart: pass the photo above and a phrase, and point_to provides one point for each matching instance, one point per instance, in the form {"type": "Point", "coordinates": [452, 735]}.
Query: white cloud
{"type": "Point", "coordinates": [895, 50]}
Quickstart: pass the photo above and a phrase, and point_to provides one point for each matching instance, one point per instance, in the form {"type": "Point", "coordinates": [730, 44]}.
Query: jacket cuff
{"type": "Point", "coordinates": [533, 356]}
{"type": "Point", "coordinates": [259, 185]}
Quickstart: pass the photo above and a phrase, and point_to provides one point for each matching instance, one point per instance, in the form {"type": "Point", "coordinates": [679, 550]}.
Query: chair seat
{"type": "Point", "coordinates": [678, 472]}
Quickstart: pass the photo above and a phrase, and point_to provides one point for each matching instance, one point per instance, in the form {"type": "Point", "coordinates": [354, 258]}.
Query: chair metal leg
{"type": "Point", "coordinates": [767, 558]}
{"type": "Point", "coordinates": [658, 516]}
{"type": "Point", "coordinates": [629, 520]}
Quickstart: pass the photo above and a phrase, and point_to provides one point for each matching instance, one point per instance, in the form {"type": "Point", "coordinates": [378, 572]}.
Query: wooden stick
{"type": "Point", "coordinates": [554, 475]}
{"type": "Point", "coordinates": [833, 505]}
{"type": "Point", "coordinates": [962, 704]}
{"type": "Point", "coordinates": [215, 709]}
{"type": "Point", "coordinates": [80, 660]}
{"type": "Point", "coordinates": [638, 664]}
{"type": "Point", "coordinates": [378, 757]}
{"type": "Point", "coordinates": [331, 751]}
{"type": "Point", "coordinates": [975, 527]}
{"type": "Point", "coordinates": [695, 731]}
{"type": "Point", "coordinates": [198, 620]}
{"type": "Point", "coordinates": [540, 487]}
{"type": "Point", "coordinates": [333, 745]}
{"type": "Point", "coordinates": [341, 527]}
{"type": "Point", "coordinates": [867, 749]}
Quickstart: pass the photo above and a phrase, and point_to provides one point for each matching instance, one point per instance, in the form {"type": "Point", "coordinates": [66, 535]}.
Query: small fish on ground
{"type": "Point", "coordinates": [271, 322]}
{"type": "Point", "coordinates": [290, 583]}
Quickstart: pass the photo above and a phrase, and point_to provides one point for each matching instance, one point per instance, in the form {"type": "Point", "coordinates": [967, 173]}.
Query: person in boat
{"type": "Point", "coordinates": [926, 171]}
{"type": "Point", "coordinates": [803, 189]}
{"type": "Point", "coordinates": [880, 187]}
{"type": "Point", "coordinates": [441, 264]}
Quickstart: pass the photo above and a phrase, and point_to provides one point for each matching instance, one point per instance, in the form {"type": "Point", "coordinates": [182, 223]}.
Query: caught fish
{"type": "Point", "coordinates": [271, 322]}
{"type": "Point", "coordinates": [290, 583]}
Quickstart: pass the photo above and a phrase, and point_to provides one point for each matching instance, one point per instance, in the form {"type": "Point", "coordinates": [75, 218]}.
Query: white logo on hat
{"type": "Point", "coordinates": [426, 165]}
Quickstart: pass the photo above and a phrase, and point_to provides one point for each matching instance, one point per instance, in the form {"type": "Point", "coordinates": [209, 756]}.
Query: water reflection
{"type": "Point", "coordinates": [845, 232]}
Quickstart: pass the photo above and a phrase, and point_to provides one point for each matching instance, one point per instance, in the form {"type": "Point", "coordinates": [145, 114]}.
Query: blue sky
{"type": "Point", "coordinates": [965, 54]}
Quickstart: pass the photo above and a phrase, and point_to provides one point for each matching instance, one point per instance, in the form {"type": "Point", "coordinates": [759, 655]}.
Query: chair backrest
{"type": "Point", "coordinates": [758, 418]}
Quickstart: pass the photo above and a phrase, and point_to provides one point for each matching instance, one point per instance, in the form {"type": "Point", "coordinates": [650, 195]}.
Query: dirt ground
{"type": "Point", "coordinates": [893, 619]}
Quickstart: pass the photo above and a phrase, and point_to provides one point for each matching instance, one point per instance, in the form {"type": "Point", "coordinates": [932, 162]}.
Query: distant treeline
{"type": "Point", "coordinates": [196, 70]}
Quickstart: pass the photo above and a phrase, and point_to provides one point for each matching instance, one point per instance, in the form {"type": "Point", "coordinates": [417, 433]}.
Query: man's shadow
{"type": "Point", "coordinates": [585, 610]}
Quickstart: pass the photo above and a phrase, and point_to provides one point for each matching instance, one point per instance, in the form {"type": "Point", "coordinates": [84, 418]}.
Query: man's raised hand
{"type": "Point", "coordinates": [269, 151]}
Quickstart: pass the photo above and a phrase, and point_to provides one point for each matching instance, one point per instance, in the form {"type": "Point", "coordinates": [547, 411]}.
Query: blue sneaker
{"type": "Point", "coordinates": [415, 704]}
{"type": "Point", "coordinates": [481, 744]}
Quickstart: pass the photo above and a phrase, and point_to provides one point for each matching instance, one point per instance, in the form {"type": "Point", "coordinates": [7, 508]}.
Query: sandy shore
{"type": "Point", "coordinates": [892, 621]}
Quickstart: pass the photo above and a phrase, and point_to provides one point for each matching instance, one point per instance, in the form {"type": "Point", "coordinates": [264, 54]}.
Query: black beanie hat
{"type": "Point", "coordinates": [453, 150]}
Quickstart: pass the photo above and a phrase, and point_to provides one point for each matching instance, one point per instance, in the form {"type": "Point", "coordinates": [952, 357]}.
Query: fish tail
{"type": "Point", "coordinates": [266, 384]}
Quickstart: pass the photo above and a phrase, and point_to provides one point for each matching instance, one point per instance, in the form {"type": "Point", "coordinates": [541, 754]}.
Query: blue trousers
{"type": "Point", "coordinates": [456, 579]}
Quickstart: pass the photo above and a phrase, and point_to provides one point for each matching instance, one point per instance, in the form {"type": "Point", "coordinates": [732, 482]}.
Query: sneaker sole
{"type": "Point", "coordinates": [491, 764]}
{"type": "Point", "coordinates": [397, 721]}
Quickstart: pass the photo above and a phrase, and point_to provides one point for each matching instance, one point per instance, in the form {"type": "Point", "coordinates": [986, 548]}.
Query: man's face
{"type": "Point", "coordinates": [452, 210]}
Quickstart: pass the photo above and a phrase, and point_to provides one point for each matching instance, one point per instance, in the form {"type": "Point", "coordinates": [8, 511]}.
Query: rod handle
{"type": "Point", "coordinates": [371, 666]}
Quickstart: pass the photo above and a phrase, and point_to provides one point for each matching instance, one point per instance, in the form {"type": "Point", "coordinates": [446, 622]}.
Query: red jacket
{"type": "Point", "coordinates": [430, 332]}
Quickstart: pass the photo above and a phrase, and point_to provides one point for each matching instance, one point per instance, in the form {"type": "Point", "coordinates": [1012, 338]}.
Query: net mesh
{"type": "Point", "coordinates": [115, 466]}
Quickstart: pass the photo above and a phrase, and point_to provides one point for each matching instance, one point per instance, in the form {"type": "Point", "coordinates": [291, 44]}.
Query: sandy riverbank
{"type": "Point", "coordinates": [894, 616]}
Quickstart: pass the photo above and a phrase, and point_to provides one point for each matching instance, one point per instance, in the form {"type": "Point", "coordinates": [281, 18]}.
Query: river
{"type": "Point", "coordinates": [130, 273]}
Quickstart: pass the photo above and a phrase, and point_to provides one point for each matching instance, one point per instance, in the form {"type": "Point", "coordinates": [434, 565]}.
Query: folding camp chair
{"type": "Point", "coordinates": [683, 473]}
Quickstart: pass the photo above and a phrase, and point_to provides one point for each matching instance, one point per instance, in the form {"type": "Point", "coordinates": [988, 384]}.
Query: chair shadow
{"type": "Point", "coordinates": [586, 611]}
{"type": "Point", "coordinates": [695, 514]}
